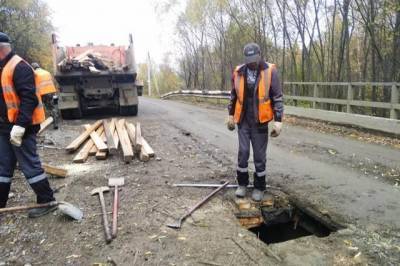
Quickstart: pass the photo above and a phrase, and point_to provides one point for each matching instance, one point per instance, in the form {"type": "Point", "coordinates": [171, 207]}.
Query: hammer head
{"type": "Point", "coordinates": [100, 190]}
{"type": "Point", "coordinates": [113, 182]}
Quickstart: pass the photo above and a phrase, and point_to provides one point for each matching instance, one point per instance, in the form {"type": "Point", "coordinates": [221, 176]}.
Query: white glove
{"type": "Point", "coordinates": [276, 129]}
{"type": "Point", "coordinates": [16, 135]}
{"type": "Point", "coordinates": [231, 123]}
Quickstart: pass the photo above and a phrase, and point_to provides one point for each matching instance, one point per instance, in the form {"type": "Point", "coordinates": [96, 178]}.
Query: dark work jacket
{"type": "Point", "coordinates": [275, 94]}
{"type": "Point", "coordinates": [24, 83]}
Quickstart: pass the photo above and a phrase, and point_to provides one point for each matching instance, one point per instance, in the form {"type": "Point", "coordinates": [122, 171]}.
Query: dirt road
{"type": "Point", "coordinates": [344, 178]}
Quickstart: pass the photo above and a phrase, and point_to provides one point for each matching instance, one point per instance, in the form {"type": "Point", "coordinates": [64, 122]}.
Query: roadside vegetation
{"type": "Point", "coordinates": [28, 22]}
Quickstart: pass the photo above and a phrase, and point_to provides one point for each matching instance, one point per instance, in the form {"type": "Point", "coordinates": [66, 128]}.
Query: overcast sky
{"type": "Point", "coordinates": [106, 22]}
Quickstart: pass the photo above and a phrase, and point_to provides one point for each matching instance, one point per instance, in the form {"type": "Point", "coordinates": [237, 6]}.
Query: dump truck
{"type": "Point", "coordinates": [96, 77]}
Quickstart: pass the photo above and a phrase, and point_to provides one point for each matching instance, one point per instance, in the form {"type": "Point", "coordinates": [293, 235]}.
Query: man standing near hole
{"type": "Point", "coordinates": [256, 99]}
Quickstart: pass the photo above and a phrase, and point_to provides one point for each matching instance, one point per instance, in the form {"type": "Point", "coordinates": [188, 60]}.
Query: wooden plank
{"type": "Point", "coordinates": [98, 141]}
{"type": "Point", "coordinates": [82, 138]}
{"type": "Point", "coordinates": [138, 137]}
{"type": "Point", "coordinates": [130, 128]}
{"type": "Point", "coordinates": [125, 142]}
{"type": "Point", "coordinates": [93, 150]}
{"type": "Point", "coordinates": [84, 153]}
{"type": "Point", "coordinates": [55, 171]}
{"type": "Point", "coordinates": [147, 148]}
{"type": "Point", "coordinates": [143, 155]}
{"type": "Point", "coordinates": [102, 155]}
{"type": "Point", "coordinates": [45, 124]}
{"type": "Point", "coordinates": [116, 138]}
{"type": "Point", "coordinates": [115, 133]}
{"type": "Point", "coordinates": [109, 136]}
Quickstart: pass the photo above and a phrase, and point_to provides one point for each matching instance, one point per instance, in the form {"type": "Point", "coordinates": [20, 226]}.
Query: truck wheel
{"type": "Point", "coordinates": [70, 114]}
{"type": "Point", "coordinates": [131, 110]}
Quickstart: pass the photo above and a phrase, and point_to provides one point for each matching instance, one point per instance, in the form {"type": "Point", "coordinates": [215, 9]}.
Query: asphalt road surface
{"type": "Point", "coordinates": [337, 173]}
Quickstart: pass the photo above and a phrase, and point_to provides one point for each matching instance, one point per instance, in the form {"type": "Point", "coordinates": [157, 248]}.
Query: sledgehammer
{"type": "Point", "coordinates": [115, 182]}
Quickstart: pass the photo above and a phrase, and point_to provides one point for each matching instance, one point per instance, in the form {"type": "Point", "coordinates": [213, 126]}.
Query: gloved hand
{"type": "Point", "coordinates": [231, 123]}
{"type": "Point", "coordinates": [276, 129]}
{"type": "Point", "coordinates": [17, 132]}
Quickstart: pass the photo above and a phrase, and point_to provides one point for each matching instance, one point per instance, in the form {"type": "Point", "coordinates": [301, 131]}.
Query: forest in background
{"type": "Point", "coordinates": [309, 40]}
{"type": "Point", "coordinates": [29, 26]}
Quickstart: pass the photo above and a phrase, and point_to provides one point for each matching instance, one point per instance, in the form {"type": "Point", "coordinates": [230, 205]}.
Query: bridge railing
{"type": "Point", "coordinates": [308, 92]}
{"type": "Point", "coordinates": [387, 92]}
{"type": "Point", "coordinates": [298, 93]}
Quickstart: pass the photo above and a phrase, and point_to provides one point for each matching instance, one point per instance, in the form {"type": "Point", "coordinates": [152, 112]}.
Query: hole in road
{"type": "Point", "coordinates": [278, 220]}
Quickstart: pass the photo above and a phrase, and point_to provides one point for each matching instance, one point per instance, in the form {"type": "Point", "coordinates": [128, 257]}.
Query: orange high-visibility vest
{"type": "Point", "coordinates": [265, 110]}
{"type": "Point", "coordinates": [45, 83]}
{"type": "Point", "coordinates": [11, 97]}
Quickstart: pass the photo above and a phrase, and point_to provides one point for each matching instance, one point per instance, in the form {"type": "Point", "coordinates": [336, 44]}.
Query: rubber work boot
{"type": "Point", "coordinates": [241, 191]}
{"type": "Point", "coordinates": [38, 212]}
{"type": "Point", "coordinates": [257, 195]}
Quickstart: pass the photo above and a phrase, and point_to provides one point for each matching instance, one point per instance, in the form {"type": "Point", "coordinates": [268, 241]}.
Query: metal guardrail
{"type": "Point", "coordinates": [198, 93]}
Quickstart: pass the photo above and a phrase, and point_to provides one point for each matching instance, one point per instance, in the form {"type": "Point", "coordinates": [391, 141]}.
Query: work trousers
{"type": "Point", "coordinates": [29, 163]}
{"type": "Point", "coordinates": [258, 137]}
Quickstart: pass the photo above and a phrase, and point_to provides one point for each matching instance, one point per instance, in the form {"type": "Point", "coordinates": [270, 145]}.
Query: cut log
{"type": "Point", "coordinates": [55, 171]}
{"type": "Point", "coordinates": [109, 129]}
{"type": "Point", "coordinates": [101, 155]}
{"type": "Point", "coordinates": [125, 142]}
{"type": "Point", "coordinates": [147, 148]}
{"type": "Point", "coordinates": [84, 153]}
{"type": "Point", "coordinates": [138, 138]}
{"type": "Point", "coordinates": [81, 139]}
{"type": "Point", "coordinates": [45, 124]}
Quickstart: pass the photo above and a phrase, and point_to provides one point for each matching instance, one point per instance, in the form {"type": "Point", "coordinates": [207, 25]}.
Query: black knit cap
{"type": "Point", "coordinates": [4, 38]}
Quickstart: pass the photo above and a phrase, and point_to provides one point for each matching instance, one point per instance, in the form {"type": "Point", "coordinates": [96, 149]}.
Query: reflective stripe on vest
{"type": "Point", "coordinates": [44, 82]}
{"type": "Point", "coordinates": [11, 98]}
{"type": "Point", "coordinates": [265, 110]}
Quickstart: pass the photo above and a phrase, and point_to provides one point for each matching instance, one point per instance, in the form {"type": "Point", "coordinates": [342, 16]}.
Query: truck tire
{"type": "Point", "coordinates": [130, 110]}
{"type": "Point", "coordinates": [70, 114]}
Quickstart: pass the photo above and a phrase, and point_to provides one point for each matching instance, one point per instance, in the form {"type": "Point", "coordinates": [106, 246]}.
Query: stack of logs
{"type": "Point", "coordinates": [105, 137]}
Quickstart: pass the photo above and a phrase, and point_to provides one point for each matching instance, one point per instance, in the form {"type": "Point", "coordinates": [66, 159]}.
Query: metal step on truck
{"type": "Point", "coordinates": [96, 77]}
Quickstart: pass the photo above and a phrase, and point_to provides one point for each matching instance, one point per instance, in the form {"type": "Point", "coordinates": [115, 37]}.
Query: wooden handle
{"type": "Point", "coordinates": [115, 213]}
{"type": "Point", "coordinates": [206, 199]}
{"type": "Point", "coordinates": [29, 207]}
{"type": "Point", "coordinates": [105, 219]}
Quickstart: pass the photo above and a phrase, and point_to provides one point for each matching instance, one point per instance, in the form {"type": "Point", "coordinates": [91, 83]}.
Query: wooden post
{"type": "Point", "coordinates": [350, 97]}
{"type": "Point", "coordinates": [394, 99]}
{"type": "Point", "coordinates": [315, 95]}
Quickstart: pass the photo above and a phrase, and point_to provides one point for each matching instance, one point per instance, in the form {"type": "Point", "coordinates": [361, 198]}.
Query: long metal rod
{"type": "Point", "coordinates": [220, 187]}
{"type": "Point", "coordinates": [212, 186]}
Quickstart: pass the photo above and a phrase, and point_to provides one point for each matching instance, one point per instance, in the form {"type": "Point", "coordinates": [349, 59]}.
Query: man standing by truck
{"type": "Point", "coordinates": [48, 91]}
{"type": "Point", "coordinates": [21, 112]}
{"type": "Point", "coordinates": [256, 99]}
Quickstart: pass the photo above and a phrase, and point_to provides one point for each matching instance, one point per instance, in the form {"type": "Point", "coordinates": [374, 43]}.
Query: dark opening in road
{"type": "Point", "coordinates": [282, 225]}
{"type": "Point", "coordinates": [278, 220]}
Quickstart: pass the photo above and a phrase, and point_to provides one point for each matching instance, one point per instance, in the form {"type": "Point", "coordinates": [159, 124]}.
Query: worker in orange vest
{"type": "Point", "coordinates": [256, 100]}
{"type": "Point", "coordinates": [21, 112]}
{"type": "Point", "coordinates": [48, 91]}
